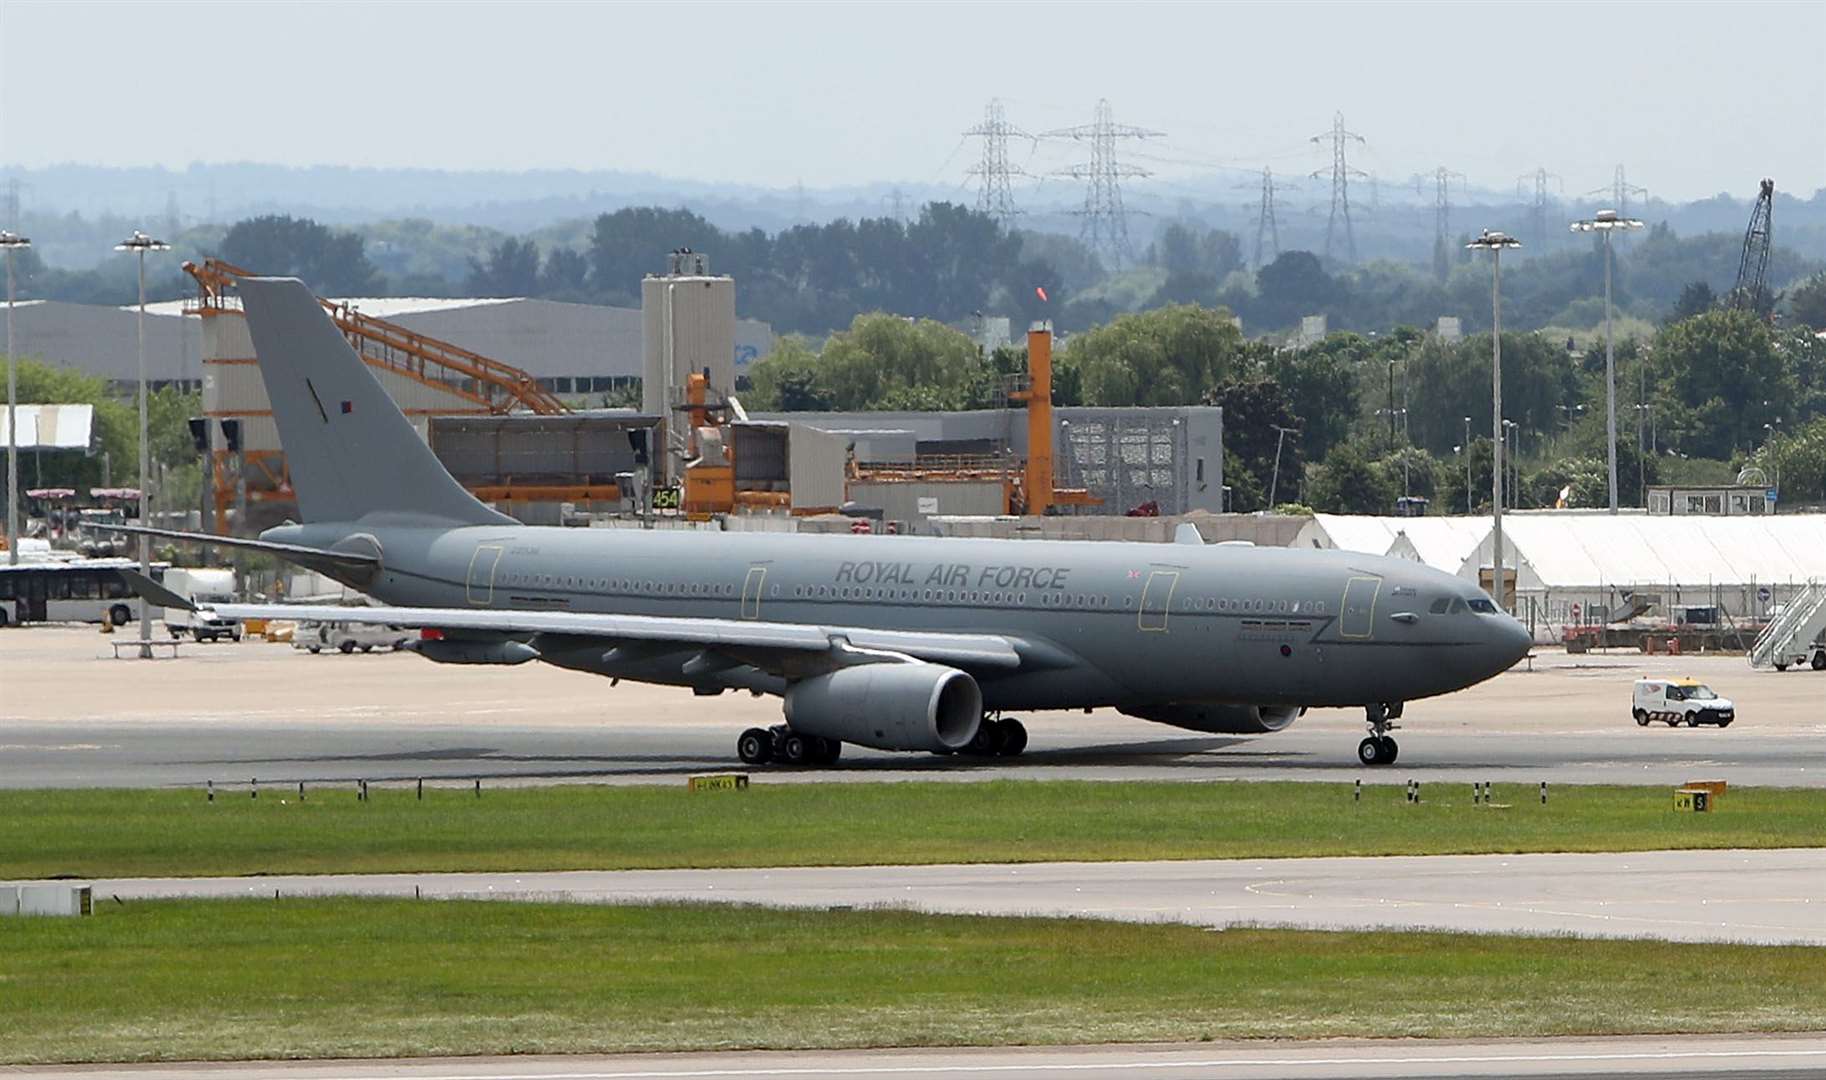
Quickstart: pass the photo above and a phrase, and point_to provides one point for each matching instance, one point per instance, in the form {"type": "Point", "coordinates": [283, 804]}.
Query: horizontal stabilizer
{"type": "Point", "coordinates": [153, 592]}
{"type": "Point", "coordinates": [350, 567]}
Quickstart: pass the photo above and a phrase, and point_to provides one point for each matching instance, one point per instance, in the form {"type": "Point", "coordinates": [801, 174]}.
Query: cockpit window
{"type": "Point", "coordinates": [1483, 606]}
{"type": "Point", "coordinates": [1440, 605]}
{"type": "Point", "coordinates": [1458, 607]}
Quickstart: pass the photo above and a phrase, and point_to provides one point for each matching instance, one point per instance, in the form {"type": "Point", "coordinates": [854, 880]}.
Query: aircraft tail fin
{"type": "Point", "coordinates": [350, 451]}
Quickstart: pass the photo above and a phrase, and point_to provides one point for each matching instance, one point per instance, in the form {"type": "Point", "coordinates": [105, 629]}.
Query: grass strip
{"type": "Point", "coordinates": [177, 980]}
{"type": "Point", "coordinates": [122, 833]}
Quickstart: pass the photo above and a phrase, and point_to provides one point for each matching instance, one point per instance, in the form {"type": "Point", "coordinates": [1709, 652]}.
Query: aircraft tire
{"type": "Point", "coordinates": [1375, 750]}
{"type": "Point", "coordinates": [754, 747]}
{"type": "Point", "coordinates": [828, 751]}
{"type": "Point", "coordinates": [794, 749]}
{"type": "Point", "coordinates": [987, 741]}
{"type": "Point", "coordinates": [1391, 750]}
{"type": "Point", "coordinates": [1013, 738]}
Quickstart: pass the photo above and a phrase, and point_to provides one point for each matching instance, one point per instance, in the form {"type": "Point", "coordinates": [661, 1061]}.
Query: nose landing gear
{"type": "Point", "coordinates": [1380, 748]}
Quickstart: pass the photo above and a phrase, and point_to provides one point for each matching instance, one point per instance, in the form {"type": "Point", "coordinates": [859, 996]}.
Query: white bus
{"type": "Point", "coordinates": [77, 590]}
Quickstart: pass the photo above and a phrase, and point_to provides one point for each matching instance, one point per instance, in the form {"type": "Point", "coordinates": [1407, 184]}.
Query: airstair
{"type": "Point", "coordinates": [1789, 638]}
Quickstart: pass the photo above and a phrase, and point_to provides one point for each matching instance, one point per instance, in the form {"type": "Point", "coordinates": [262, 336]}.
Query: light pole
{"type": "Point", "coordinates": [1275, 483]}
{"type": "Point", "coordinates": [1607, 222]}
{"type": "Point", "coordinates": [10, 242]}
{"type": "Point", "coordinates": [139, 243]}
{"type": "Point", "coordinates": [1494, 243]}
{"type": "Point", "coordinates": [1468, 503]}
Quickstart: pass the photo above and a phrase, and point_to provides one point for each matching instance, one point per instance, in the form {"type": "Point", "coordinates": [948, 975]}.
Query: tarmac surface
{"type": "Point", "coordinates": [1764, 1057]}
{"type": "Point", "coordinates": [71, 716]}
{"type": "Point", "coordinates": [1748, 897]}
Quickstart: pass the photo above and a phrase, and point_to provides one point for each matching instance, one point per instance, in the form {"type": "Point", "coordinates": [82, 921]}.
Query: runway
{"type": "Point", "coordinates": [1749, 897]}
{"type": "Point", "coordinates": [1767, 1057]}
{"type": "Point", "coordinates": [69, 718]}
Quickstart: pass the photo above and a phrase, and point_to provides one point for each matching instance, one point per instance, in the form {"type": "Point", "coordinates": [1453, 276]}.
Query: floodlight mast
{"type": "Point", "coordinates": [139, 243]}
{"type": "Point", "coordinates": [1494, 243]}
{"type": "Point", "coordinates": [1607, 222]}
{"type": "Point", "coordinates": [11, 242]}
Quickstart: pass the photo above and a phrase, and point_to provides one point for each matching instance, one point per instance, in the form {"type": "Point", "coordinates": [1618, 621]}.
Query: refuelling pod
{"type": "Point", "coordinates": [1219, 719]}
{"type": "Point", "coordinates": [471, 651]}
{"type": "Point", "coordinates": [889, 706]}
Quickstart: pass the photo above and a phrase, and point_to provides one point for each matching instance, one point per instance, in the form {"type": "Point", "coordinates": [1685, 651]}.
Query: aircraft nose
{"type": "Point", "coordinates": [1513, 641]}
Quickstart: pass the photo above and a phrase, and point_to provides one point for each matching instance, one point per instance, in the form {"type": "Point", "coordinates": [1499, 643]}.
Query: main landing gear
{"type": "Point", "coordinates": [1379, 748]}
{"type": "Point", "coordinates": [998, 737]}
{"type": "Point", "coordinates": [780, 743]}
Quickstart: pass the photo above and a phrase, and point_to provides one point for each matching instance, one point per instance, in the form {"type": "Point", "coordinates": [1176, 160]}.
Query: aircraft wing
{"type": "Point", "coordinates": [960, 650]}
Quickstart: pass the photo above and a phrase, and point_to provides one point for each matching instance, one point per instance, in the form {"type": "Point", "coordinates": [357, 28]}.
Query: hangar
{"type": "Point", "coordinates": [1577, 567]}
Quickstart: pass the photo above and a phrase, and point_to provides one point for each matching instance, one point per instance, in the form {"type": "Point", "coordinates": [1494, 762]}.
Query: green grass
{"type": "Point", "coordinates": [177, 833]}
{"type": "Point", "coordinates": [338, 978]}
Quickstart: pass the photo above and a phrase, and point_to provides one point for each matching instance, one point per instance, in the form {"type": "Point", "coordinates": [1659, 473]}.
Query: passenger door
{"type": "Point", "coordinates": [1157, 601]}
{"type": "Point", "coordinates": [1357, 616]}
{"type": "Point", "coordinates": [751, 591]}
{"type": "Point", "coordinates": [482, 565]}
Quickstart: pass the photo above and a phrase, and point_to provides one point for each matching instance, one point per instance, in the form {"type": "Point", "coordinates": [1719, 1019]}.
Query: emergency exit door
{"type": "Point", "coordinates": [751, 591]}
{"type": "Point", "coordinates": [482, 566]}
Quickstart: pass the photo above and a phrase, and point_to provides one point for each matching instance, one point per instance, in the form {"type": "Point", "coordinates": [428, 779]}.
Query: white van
{"type": "Point", "coordinates": [1675, 701]}
{"type": "Point", "coordinates": [201, 586]}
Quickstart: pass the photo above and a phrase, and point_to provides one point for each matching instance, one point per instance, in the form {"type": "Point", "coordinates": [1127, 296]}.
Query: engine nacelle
{"type": "Point", "coordinates": [889, 706]}
{"type": "Point", "coordinates": [1219, 719]}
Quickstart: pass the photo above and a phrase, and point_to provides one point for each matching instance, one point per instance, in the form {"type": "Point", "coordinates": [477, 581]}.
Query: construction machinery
{"type": "Point", "coordinates": [1751, 292]}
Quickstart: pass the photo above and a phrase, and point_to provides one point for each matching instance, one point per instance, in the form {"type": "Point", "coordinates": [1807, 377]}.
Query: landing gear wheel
{"type": "Point", "coordinates": [1391, 750]}
{"type": "Point", "coordinates": [987, 741]}
{"type": "Point", "coordinates": [1642, 718]}
{"type": "Point", "coordinates": [1372, 751]}
{"type": "Point", "coordinates": [825, 751]}
{"type": "Point", "coordinates": [794, 750]}
{"type": "Point", "coordinates": [755, 747]}
{"type": "Point", "coordinates": [1014, 738]}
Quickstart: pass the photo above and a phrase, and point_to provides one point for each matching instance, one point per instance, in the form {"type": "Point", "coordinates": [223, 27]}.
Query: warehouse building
{"type": "Point", "coordinates": [571, 349]}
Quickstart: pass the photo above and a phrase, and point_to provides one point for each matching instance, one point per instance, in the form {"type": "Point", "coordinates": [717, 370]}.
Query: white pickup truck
{"type": "Point", "coordinates": [1678, 701]}
{"type": "Point", "coordinates": [345, 637]}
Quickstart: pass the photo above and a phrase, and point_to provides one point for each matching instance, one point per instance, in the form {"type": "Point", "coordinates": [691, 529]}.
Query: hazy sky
{"type": "Point", "coordinates": [1694, 98]}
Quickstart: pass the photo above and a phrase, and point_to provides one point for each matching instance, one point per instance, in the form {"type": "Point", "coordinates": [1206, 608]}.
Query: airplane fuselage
{"type": "Point", "coordinates": [1131, 624]}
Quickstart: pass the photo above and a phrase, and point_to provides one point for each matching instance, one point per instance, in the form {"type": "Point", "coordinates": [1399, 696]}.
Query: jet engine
{"type": "Point", "coordinates": [1218, 718]}
{"type": "Point", "coordinates": [889, 706]}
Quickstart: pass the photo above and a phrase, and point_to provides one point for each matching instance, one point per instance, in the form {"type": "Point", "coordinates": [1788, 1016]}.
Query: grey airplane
{"type": "Point", "coordinates": [890, 642]}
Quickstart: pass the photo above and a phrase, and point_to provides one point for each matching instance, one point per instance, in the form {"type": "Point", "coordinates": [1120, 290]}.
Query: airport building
{"type": "Point", "coordinates": [569, 349]}
{"type": "Point", "coordinates": [1575, 568]}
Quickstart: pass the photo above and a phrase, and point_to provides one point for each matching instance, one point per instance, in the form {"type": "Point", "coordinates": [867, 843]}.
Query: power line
{"type": "Point", "coordinates": [1537, 210]}
{"type": "Point", "coordinates": [1105, 226]}
{"type": "Point", "coordinates": [1341, 172]}
{"type": "Point", "coordinates": [1266, 227]}
{"type": "Point", "coordinates": [993, 193]}
{"type": "Point", "coordinates": [1442, 219]}
{"type": "Point", "coordinates": [1620, 190]}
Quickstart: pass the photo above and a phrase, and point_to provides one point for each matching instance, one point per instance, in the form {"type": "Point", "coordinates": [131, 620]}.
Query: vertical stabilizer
{"type": "Point", "coordinates": [350, 451]}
